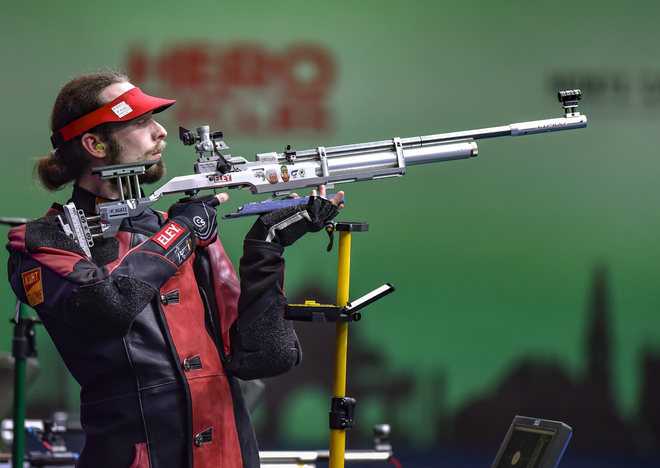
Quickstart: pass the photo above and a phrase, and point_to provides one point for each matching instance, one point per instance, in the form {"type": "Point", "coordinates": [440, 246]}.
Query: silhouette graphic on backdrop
{"type": "Point", "coordinates": [535, 386]}
{"type": "Point", "coordinates": [538, 387]}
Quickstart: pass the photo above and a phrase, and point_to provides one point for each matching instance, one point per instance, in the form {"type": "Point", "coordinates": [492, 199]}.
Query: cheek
{"type": "Point", "coordinates": [135, 148]}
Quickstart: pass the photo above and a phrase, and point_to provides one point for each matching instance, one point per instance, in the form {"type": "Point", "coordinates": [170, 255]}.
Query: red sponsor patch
{"type": "Point", "coordinates": [34, 290]}
{"type": "Point", "coordinates": [168, 235]}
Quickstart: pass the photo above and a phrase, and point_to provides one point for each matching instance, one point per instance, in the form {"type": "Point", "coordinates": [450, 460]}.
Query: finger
{"type": "Point", "coordinates": [338, 199]}
{"type": "Point", "coordinates": [314, 193]}
{"type": "Point", "coordinates": [322, 191]}
{"type": "Point", "coordinates": [219, 198]}
{"type": "Point", "coordinates": [293, 195]}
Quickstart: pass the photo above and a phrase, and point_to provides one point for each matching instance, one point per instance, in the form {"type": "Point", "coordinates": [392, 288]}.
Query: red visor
{"type": "Point", "coordinates": [128, 106]}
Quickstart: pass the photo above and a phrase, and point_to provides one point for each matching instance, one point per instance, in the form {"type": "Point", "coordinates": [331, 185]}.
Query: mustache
{"type": "Point", "coordinates": [159, 148]}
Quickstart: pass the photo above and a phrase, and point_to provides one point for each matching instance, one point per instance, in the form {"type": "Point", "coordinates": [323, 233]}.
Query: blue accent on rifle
{"type": "Point", "coordinates": [266, 206]}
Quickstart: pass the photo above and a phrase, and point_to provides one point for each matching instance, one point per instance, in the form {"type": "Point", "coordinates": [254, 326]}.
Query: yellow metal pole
{"type": "Point", "coordinates": [338, 436]}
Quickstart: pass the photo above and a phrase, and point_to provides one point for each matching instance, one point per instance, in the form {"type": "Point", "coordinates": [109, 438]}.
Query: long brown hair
{"type": "Point", "coordinates": [78, 97]}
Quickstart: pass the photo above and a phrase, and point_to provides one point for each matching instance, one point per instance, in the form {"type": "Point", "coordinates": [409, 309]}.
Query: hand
{"type": "Point", "coordinates": [199, 215]}
{"type": "Point", "coordinates": [337, 200]}
{"type": "Point", "coordinates": [287, 225]}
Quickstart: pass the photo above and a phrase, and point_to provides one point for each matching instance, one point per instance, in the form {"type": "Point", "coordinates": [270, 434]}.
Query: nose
{"type": "Point", "coordinates": [159, 131]}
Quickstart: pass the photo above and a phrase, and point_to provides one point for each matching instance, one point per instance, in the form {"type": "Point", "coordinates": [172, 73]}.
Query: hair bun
{"type": "Point", "coordinates": [52, 172]}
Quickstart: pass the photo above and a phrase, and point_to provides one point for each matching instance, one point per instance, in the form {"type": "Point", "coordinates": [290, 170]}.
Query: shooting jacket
{"type": "Point", "coordinates": [156, 342]}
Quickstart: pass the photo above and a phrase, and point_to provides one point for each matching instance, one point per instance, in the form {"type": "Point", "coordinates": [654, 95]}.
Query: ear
{"type": "Point", "coordinates": [93, 145]}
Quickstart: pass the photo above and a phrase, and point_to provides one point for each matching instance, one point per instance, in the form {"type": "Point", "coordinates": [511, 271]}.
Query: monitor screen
{"type": "Point", "coordinates": [526, 447]}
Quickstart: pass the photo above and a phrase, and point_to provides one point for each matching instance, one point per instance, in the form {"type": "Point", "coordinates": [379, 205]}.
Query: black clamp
{"type": "Point", "coordinates": [289, 154]}
{"type": "Point", "coordinates": [24, 341]}
{"type": "Point", "coordinates": [312, 311]}
{"type": "Point", "coordinates": [342, 410]}
{"type": "Point", "coordinates": [330, 229]}
{"type": "Point", "coordinates": [347, 226]}
{"type": "Point", "coordinates": [382, 437]}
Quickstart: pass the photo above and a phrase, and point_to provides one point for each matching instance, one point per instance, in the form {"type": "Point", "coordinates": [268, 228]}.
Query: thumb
{"type": "Point", "coordinates": [218, 199]}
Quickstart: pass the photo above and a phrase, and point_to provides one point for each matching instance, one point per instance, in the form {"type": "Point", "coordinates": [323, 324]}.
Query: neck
{"type": "Point", "coordinates": [94, 184]}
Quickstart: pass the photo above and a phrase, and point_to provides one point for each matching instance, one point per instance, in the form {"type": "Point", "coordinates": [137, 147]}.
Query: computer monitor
{"type": "Point", "coordinates": [533, 443]}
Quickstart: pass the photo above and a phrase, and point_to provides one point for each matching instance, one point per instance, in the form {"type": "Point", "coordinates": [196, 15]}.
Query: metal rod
{"type": "Point", "coordinates": [514, 129]}
{"type": "Point", "coordinates": [128, 187]}
{"type": "Point", "coordinates": [478, 134]}
{"type": "Point", "coordinates": [19, 352]}
{"type": "Point", "coordinates": [136, 181]}
{"type": "Point", "coordinates": [295, 457]}
{"type": "Point", "coordinates": [121, 188]}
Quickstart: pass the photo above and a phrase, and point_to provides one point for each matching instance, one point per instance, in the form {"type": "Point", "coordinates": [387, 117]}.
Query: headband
{"type": "Point", "coordinates": [128, 106]}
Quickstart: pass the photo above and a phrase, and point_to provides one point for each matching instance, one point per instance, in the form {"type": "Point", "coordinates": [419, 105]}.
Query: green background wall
{"type": "Point", "coordinates": [492, 257]}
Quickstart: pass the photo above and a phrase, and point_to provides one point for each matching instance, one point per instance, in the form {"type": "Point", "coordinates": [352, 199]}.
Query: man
{"type": "Point", "coordinates": [154, 326]}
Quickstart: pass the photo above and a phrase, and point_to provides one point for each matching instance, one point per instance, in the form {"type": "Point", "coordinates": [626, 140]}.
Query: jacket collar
{"type": "Point", "coordinates": [86, 200]}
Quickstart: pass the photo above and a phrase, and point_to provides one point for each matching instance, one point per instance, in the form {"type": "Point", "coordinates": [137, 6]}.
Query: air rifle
{"type": "Point", "coordinates": [281, 173]}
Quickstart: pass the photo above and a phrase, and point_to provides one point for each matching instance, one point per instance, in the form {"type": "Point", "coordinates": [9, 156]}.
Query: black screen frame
{"type": "Point", "coordinates": [561, 436]}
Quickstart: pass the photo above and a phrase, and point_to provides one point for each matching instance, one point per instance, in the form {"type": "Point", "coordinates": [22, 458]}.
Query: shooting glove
{"type": "Point", "coordinates": [199, 216]}
{"type": "Point", "coordinates": [285, 226]}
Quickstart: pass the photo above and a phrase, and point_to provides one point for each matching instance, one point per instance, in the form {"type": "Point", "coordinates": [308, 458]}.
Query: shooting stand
{"type": "Point", "coordinates": [341, 407]}
{"type": "Point", "coordinates": [23, 347]}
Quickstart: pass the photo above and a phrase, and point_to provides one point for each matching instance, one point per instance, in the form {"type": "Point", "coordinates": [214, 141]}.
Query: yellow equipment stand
{"type": "Point", "coordinates": [343, 312]}
{"type": "Point", "coordinates": [338, 436]}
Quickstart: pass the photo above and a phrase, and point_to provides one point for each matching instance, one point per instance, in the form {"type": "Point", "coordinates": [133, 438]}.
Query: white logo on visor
{"type": "Point", "coordinates": [122, 109]}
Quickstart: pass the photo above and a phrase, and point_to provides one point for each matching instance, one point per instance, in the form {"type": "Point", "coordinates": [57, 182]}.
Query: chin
{"type": "Point", "coordinates": [154, 173]}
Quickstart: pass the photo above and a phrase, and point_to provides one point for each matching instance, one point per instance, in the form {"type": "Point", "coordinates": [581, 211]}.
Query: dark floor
{"type": "Point", "coordinates": [455, 459]}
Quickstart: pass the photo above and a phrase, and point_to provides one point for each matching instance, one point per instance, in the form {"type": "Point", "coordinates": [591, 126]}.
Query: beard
{"type": "Point", "coordinates": [153, 173]}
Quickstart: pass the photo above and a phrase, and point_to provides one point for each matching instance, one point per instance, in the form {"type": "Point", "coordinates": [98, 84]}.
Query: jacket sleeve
{"type": "Point", "coordinates": [48, 271]}
{"type": "Point", "coordinates": [264, 344]}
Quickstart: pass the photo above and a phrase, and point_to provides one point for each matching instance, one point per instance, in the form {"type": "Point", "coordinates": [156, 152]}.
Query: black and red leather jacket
{"type": "Point", "coordinates": [156, 334]}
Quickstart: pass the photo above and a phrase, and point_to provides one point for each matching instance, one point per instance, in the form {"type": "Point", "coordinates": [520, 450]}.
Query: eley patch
{"type": "Point", "coordinates": [168, 235]}
{"type": "Point", "coordinates": [34, 289]}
